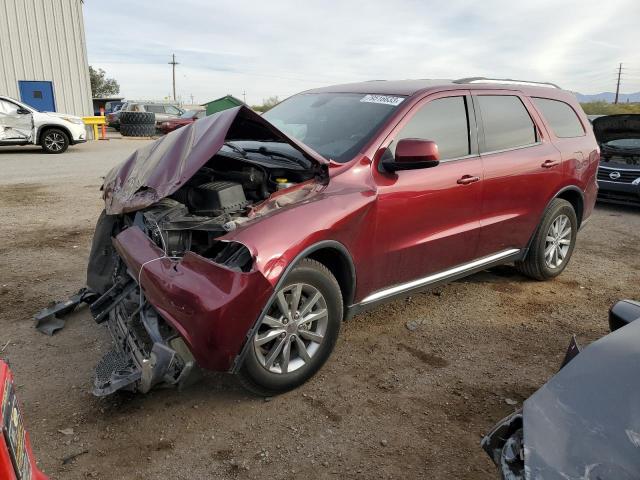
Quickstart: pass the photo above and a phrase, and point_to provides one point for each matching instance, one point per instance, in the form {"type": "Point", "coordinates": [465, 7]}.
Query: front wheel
{"type": "Point", "coordinates": [297, 333]}
{"type": "Point", "coordinates": [54, 141]}
{"type": "Point", "coordinates": [553, 243]}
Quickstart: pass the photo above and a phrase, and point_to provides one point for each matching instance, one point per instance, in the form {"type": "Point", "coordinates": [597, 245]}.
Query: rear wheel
{"type": "Point", "coordinates": [553, 243]}
{"type": "Point", "coordinates": [298, 332]}
{"type": "Point", "coordinates": [54, 140]}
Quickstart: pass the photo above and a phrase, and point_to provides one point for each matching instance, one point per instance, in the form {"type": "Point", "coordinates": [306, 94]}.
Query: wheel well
{"type": "Point", "coordinates": [44, 128]}
{"type": "Point", "coordinates": [575, 199]}
{"type": "Point", "coordinates": [341, 268]}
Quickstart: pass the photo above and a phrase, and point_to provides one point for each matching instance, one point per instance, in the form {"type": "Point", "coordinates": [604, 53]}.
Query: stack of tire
{"type": "Point", "coordinates": [138, 124]}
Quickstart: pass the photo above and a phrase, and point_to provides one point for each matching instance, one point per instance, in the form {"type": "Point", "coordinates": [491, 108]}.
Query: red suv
{"type": "Point", "coordinates": [239, 243]}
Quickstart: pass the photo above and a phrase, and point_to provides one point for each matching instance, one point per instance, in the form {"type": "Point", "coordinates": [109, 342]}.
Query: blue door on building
{"type": "Point", "coordinates": [39, 95]}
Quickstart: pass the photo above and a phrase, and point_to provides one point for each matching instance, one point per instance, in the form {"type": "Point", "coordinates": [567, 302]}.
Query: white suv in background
{"type": "Point", "coordinates": [21, 124]}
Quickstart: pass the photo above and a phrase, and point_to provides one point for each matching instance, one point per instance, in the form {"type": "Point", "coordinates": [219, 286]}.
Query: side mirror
{"type": "Point", "coordinates": [623, 313]}
{"type": "Point", "coordinates": [23, 111]}
{"type": "Point", "coordinates": [412, 154]}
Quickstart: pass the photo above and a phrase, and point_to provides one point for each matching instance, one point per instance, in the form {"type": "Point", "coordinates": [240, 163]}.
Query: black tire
{"type": "Point", "coordinates": [54, 140]}
{"type": "Point", "coordinates": [254, 375]}
{"type": "Point", "coordinates": [137, 130]}
{"type": "Point", "coordinates": [535, 265]}
{"type": "Point", "coordinates": [137, 118]}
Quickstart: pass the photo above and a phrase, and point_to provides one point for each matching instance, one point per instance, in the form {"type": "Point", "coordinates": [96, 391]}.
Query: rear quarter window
{"type": "Point", "coordinates": [506, 123]}
{"type": "Point", "coordinates": [560, 117]}
{"type": "Point", "coordinates": [154, 108]}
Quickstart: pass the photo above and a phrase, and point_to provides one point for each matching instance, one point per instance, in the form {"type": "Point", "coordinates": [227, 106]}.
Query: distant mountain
{"type": "Point", "coordinates": [608, 97]}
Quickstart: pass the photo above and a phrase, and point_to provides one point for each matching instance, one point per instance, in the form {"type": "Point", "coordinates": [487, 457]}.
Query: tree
{"type": "Point", "coordinates": [267, 103]}
{"type": "Point", "coordinates": [100, 85]}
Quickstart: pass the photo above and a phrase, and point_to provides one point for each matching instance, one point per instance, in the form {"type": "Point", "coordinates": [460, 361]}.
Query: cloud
{"type": "Point", "coordinates": [281, 47]}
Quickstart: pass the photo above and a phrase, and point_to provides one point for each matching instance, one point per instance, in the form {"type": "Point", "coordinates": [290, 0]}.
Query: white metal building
{"type": "Point", "coordinates": [43, 55]}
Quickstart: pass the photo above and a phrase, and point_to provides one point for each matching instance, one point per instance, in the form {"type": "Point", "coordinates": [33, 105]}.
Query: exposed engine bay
{"type": "Point", "coordinates": [619, 139]}
{"type": "Point", "coordinates": [621, 153]}
{"type": "Point", "coordinates": [217, 199]}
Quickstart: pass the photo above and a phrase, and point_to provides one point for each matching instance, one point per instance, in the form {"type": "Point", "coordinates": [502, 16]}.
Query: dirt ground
{"type": "Point", "coordinates": [392, 402]}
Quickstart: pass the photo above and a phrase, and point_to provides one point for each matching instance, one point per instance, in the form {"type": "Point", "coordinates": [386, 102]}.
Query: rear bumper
{"type": "Point", "coordinates": [212, 307]}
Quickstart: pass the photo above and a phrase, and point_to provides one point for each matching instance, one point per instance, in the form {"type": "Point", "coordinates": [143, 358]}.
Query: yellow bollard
{"type": "Point", "coordinates": [95, 122]}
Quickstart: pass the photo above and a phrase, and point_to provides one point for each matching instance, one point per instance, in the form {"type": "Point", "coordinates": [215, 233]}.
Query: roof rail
{"type": "Point", "coordinates": [507, 81]}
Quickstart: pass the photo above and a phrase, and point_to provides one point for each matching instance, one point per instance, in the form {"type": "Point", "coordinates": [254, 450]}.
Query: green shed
{"type": "Point", "coordinates": [222, 103]}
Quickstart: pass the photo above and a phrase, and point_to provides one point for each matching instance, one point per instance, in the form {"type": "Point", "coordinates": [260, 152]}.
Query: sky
{"type": "Point", "coordinates": [258, 49]}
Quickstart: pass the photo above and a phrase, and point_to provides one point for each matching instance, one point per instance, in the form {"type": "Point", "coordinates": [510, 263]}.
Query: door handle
{"type": "Point", "coordinates": [467, 179]}
{"type": "Point", "coordinates": [550, 163]}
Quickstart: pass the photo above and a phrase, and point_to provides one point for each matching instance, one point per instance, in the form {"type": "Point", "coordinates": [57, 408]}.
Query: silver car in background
{"type": "Point", "coordinates": [162, 111]}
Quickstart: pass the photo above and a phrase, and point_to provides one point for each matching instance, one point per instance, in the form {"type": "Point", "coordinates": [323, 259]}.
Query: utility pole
{"type": "Point", "coordinates": [173, 63]}
{"type": "Point", "coordinates": [618, 85]}
{"type": "Point", "coordinates": [244, 96]}
{"type": "Point", "coordinates": [191, 98]}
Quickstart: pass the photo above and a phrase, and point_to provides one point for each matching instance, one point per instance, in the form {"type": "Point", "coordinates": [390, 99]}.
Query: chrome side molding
{"type": "Point", "coordinates": [388, 292]}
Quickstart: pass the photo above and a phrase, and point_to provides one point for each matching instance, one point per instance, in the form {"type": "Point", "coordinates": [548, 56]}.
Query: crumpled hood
{"type": "Point", "coordinates": [162, 167]}
{"type": "Point", "coordinates": [615, 127]}
{"type": "Point", "coordinates": [584, 423]}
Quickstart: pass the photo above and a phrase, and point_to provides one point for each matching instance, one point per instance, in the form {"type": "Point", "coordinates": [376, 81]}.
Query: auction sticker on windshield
{"type": "Point", "coordinates": [13, 431]}
{"type": "Point", "coordinates": [384, 99]}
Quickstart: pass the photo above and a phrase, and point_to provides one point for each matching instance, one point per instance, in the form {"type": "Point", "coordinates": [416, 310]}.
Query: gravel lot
{"type": "Point", "coordinates": [392, 402]}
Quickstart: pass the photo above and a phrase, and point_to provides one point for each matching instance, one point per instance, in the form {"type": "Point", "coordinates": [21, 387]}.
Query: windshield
{"type": "Point", "coordinates": [190, 114]}
{"type": "Point", "coordinates": [336, 125]}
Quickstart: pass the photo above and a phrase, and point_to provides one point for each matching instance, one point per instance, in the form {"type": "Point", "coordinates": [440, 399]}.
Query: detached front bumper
{"type": "Point", "coordinates": [212, 308]}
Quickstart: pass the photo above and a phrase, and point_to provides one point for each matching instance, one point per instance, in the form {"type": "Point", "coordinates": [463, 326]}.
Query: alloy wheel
{"type": "Point", "coordinates": [54, 141]}
{"type": "Point", "coordinates": [557, 241]}
{"type": "Point", "coordinates": [292, 330]}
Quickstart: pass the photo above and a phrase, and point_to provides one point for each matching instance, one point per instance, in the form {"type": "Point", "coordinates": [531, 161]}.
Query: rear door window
{"type": "Point", "coordinates": [506, 123]}
{"type": "Point", "coordinates": [443, 121]}
{"type": "Point", "coordinates": [154, 108]}
{"type": "Point", "coordinates": [562, 119]}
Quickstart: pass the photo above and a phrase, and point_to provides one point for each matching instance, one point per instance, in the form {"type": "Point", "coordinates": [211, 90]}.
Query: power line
{"type": "Point", "coordinates": [173, 64]}
{"type": "Point", "coordinates": [618, 84]}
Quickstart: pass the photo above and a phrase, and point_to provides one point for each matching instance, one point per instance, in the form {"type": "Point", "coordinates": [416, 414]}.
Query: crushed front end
{"type": "Point", "coordinates": [146, 351]}
{"type": "Point", "coordinates": [176, 294]}
{"type": "Point", "coordinates": [167, 314]}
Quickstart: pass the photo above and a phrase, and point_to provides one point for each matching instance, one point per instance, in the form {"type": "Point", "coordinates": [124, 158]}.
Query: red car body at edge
{"type": "Point", "coordinates": [186, 118]}
{"type": "Point", "coordinates": [423, 182]}
{"type": "Point", "coordinates": [16, 458]}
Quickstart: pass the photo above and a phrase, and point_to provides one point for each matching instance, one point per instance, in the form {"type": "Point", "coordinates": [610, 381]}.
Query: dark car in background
{"type": "Point", "coordinates": [584, 423]}
{"type": "Point", "coordinates": [186, 118]}
{"type": "Point", "coordinates": [619, 171]}
{"type": "Point", "coordinates": [114, 106]}
{"type": "Point", "coordinates": [113, 118]}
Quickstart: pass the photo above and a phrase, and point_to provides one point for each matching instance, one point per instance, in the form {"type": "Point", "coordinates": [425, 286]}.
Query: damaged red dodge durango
{"type": "Point", "coordinates": [240, 243]}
